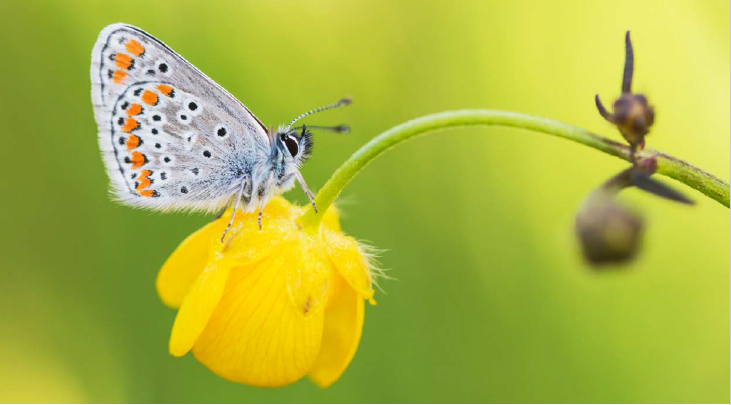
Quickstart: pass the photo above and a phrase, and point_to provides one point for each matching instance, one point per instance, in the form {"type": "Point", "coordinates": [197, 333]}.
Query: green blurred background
{"type": "Point", "coordinates": [493, 302]}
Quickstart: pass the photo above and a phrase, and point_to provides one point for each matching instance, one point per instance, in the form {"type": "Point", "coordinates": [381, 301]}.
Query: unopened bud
{"type": "Point", "coordinates": [631, 113]}
{"type": "Point", "coordinates": [608, 232]}
{"type": "Point", "coordinates": [633, 116]}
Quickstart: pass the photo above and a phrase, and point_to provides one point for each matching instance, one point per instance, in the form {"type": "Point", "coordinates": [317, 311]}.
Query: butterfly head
{"type": "Point", "coordinates": [295, 143]}
{"type": "Point", "coordinates": [291, 146]}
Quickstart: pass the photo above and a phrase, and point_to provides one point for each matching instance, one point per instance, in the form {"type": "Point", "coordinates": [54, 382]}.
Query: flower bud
{"type": "Point", "coordinates": [633, 116]}
{"type": "Point", "coordinates": [608, 232]}
{"type": "Point", "coordinates": [631, 113]}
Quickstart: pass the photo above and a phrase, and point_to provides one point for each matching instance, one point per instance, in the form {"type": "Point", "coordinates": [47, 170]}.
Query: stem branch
{"type": "Point", "coordinates": [670, 166]}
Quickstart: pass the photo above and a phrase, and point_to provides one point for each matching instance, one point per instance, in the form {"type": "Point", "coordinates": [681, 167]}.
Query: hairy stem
{"type": "Point", "coordinates": [667, 165]}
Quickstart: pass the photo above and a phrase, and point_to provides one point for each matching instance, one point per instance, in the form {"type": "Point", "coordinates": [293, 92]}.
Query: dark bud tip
{"type": "Point", "coordinates": [608, 233]}
{"type": "Point", "coordinates": [644, 182]}
{"type": "Point", "coordinates": [602, 111]}
{"type": "Point", "coordinates": [629, 65]}
{"type": "Point", "coordinates": [345, 101]}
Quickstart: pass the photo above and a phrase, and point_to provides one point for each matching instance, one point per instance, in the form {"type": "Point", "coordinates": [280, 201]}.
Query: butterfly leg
{"type": "Point", "coordinates": [307, 191]}
{"type": "Point", "coordinates": [236, 205]}
{"type": "Point", "coordinates": [261, 209]}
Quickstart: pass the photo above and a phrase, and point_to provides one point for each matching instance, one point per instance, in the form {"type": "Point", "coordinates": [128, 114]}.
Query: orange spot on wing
{"type": "Point", "coordinates": [123, 60]}
{"type": "Point", "coordinates": [119, 76]}
{"type": "Point", "coordinates": [134, 109]}
{"type": "Point", "coordinates": [149, 97]}
{"type": "Point", "coordinates": [134, 47]}
{"type": "Point", "coordinates": [165, 89]}
{"type": "Point", "coordinates": [138, 159]}
{"type": "Point", "coordinates": [143, 183]}
{"type": "Point", "coordinates": [130, 125]}
{"type": "Point", "coordinates": [133, 142]}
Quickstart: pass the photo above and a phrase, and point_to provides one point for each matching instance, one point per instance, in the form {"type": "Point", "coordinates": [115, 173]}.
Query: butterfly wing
{"type": "Point", "coordinates": [171, 137]}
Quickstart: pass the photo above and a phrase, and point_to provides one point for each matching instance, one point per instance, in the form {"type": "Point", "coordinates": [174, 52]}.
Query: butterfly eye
{"type": "Point", "coordinates": [292, 144]}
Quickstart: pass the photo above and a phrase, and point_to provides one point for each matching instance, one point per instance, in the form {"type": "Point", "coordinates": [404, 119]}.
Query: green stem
{"type": "Point", "coordinates": [670, 166]}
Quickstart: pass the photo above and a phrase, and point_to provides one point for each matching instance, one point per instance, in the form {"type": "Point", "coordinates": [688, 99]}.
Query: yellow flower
{"type": "Point", "coordinates": [270, 306]}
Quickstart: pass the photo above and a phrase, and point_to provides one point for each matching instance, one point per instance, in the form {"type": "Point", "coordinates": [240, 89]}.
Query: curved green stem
{"type": "Point", "coordinates": [670, 166]}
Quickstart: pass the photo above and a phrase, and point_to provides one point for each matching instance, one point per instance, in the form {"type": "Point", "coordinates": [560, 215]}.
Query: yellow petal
{"type": "Point", "coordinates": [340, 336]}
{"type": "Point", "coordinates": [248, 244]}
{"type": "Point", "coordinates": [308, 272]}
{"type": "Point", "coordinates": [279, 207]}
{"type": "Point", "coordinates": [348, 259]}
{"type": "Point", "coordinates": [256, 336]}
{"type": "Point", "coordinates": [198, 306]}
{"type": "Point", "coordinates": [244, 242]}
{"type": "Point", "coordinates": [187, 262]}
{"type": "Point", "coordinates": [331, 220]}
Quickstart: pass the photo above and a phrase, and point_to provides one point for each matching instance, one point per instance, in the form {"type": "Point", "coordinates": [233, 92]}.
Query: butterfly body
{"type": "Point", "coordinates": [173, 139]}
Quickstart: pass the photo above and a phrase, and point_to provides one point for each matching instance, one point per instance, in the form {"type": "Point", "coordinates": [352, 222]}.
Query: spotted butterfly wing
{"type": "Point", "coordinates": [171, 137]}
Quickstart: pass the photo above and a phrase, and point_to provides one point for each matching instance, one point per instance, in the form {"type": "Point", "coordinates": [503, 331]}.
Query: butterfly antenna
{"type": "Point", "coordinates": [340, 129]}
{"type": "Point", "coordinates": [345, 101]}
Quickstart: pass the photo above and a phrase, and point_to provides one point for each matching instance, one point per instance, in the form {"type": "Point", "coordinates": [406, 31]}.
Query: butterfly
{"type": "Point", "coordinates": [173, 139]}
